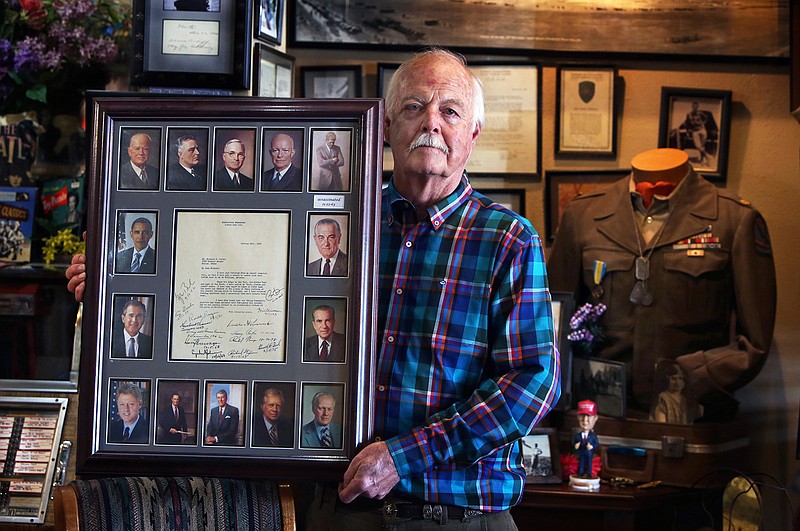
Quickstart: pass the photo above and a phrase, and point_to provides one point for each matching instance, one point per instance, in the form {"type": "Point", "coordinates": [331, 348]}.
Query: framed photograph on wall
{"type": "Point", "coordinates": [207, 47]}
{"type": "Point", "coordinates": [511, 198]}
{"type": "Point", "coordinates": [602, 382]}
{"type": "Point", "coordinates": [563, 306]}
{"type": "Point", "coordinates": [698, 122]}
{"type": "Point", "coordinates": [541, 456]}
{"type": "Point", "coordinates": [561, 186]}
{"type": "Point", "coordinates": [330, 81]}
{"type": "Point", "coordinates": [269, 21]}
{"type": "Point", "coordinates": [385, 73]}
{"type": "Point", "coordinates": [209, 303]}
{"type": "Point", "coordinates": [273, 73]}
{"type": "Point", "coordinates": [586, 116]}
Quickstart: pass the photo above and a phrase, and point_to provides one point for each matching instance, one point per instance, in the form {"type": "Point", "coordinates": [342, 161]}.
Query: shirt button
{"type": "Point", "coordinates": [390, 339]}
{"type": "Point", "coordinates": [381, 388]}
{"type": "Point", "coordinates": [408, 244]}
{"type": "Point", "coordinates": [399, 291]}
{"type": "Point", "coordinates": [436, 223]}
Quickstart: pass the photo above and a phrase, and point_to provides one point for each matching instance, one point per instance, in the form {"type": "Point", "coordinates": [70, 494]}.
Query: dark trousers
{"type": "Point", "coordinates": [328, 513]}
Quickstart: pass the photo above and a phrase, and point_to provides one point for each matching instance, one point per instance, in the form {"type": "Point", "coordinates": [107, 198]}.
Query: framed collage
{"type": "Point", "coordinates": [231, 312]}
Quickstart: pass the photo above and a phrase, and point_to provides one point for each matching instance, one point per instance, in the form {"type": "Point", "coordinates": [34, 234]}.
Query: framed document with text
{"type": "Point", "coordinates": [230, 296]}
{"type": "Point", "coordinates": [192, 44]}
{"type": "Point", "coordinates": [586, 118]}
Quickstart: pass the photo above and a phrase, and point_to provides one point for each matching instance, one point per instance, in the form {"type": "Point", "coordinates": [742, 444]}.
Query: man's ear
{"type": "Point", "coordinates": [386, 123]}
{"type": "Point", "coordinates": [475, 133]}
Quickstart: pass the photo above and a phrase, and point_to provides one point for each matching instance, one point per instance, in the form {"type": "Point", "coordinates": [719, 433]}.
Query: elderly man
{"type": "Point", "coordinates": [136, 173]}
{"type": "Point", "coordinates": [230, 177]}
{"type": "Point", "coordinates": [269, 426]}
{"type": "Point", "coordinates": [322, 432]}
{"type": "Point", "coordinates": [332, 261]}
{"type": "Point", "coordinates": [284, 176]}
{"type": "Point", "coordinates": [223, 423]}
{"type": "Point", "coordinates": [187, 173]}
{"type": "Point", "coordinates": [329, 159]}
{"type": "Point", "coordinates": [325, 344]}
{"type": "Point", "coordinates": [466, 361]}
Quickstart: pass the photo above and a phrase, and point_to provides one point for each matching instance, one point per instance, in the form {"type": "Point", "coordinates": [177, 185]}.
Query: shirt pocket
{"type": "Point", "coordinates": [698, 290]}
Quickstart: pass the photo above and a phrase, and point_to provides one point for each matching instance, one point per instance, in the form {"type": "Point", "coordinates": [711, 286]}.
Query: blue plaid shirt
{"type": "Point", "coordinates": [467, 363]}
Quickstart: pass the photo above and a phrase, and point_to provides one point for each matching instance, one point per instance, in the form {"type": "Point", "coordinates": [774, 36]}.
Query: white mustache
{"type": "Point", "coordinates": [428, 140]}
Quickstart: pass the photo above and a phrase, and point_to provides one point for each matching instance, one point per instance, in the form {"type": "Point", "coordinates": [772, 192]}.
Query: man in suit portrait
{"type": "Point", "coordinates": [330, 158]}
{"type": "Point", "coordinates": [229, 177]}
{"type": "Point", "coordinates": [128, 427]}
{"type": "Point", "coordinates": [269, 428]}
{"type": "Point", "coordinates": [187, 173]}
{"type": "Point", "coordinates": [171, 421]}
{"type": "Point", "coordinates": [325, 344]}
{"type": "Point", "coordinates": [223, 424]}
{"type": "Point", "coordinates": [140, 258]}
{"type": "Point", "coordinates": [135, 173]}
{"type": "Point", "coordinates": [333, 262]}
{"type": "Point", "coordinates": [284, 176]}
{"type": "Point", "coordinates": [322, 432]}
{"type": "Point", "coordinates": [133, 343]}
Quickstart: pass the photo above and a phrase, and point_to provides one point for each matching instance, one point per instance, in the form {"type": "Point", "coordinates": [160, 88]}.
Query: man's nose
{"type": "Point", "coordinates": [430, 120]}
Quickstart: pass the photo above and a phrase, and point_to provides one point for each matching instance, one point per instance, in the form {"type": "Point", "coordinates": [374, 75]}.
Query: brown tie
{"type": "Point", "coordinates": [326, 271]}
{"type": "Point", "coordinates": [323, 353]}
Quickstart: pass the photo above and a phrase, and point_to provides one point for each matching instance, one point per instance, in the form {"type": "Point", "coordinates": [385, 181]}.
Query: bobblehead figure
{"type": "Point", "coordinates": [585, 443]}
{"type": "Point", "coordinates": [686, 272]}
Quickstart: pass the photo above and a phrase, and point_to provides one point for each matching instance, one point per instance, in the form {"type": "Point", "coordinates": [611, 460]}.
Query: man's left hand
{"type": "Point", "coordinates": [371, 473]}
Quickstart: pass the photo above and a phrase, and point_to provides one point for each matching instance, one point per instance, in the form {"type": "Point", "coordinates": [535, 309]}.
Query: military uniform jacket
{"type": "Point", "coordinates": [712, 278]}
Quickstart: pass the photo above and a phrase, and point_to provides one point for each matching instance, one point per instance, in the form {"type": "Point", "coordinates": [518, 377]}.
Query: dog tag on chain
{"type": "Point", "coordinates": [642, 268]}
{"type": "Point", "coordinates": [640, 295]}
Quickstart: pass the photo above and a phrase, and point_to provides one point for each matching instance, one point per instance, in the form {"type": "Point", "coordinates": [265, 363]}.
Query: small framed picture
{"type": "Point", "coordinates": [385, 73]}
{"type": "Point", "coordinates": [697, 121]}
{"type": "Point", "coordinates": [511, 198]}
{"type": "Point", "coordinates": [560, 187]}
{"type": "Point", "coordinates": [540, 456]}
{"type": "Point", "coordinates": [586, 121]}
{"type": "Point", "coordinates": [563, 304]}
{"type": "Point", "coordinates": [602, 382]}
{"type": "Point", "coordinates": [331, 81]}
{"type": "Point", "coordinates": [273, 73]}
{"type": "Point", "coordinates": [269, 21]}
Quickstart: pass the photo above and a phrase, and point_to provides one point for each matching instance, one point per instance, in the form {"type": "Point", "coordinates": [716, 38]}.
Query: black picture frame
{"type": "Point", "coordinates": [602, 382]}
{"type": "Point", "coordinates": [698, 122]}
{"type": "Point", "coordinates": [192, 49]}
{"type": "Point", "coordinates": [273, 73]}
{"type": "Point", "coordinates": [561, 186]}
{"type": "Point", "coordinates": [511, 198]}
{"type": "Point", "coordinates": [563, 306]}
{"type": "Point", "coordinates": [541, 456]}
{"type": "Point", "coordinates": [194, 284]}
{"type": "Point", "coordinates": [586, 111]}
{"type": "Point", "coordinates": [343, 81]}
{"type": "Point", "coordinates": [664, 31]}
{"type": "Point", "coordinates": [268, 21]}
{"type": "Point", "coordinates": [385, 73]}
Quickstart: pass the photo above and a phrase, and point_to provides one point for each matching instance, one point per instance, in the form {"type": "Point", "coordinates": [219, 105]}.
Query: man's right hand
{"type": "Point", "coordinates": [76, 273]}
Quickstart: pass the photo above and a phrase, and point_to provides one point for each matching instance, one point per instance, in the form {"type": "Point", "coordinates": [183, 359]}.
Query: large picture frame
{"type": "Point", "coordinates": [698, 122]}
{"type": "Point", "coordinates": [221, 307]}
{"type": "Point", "coordinates": [541, 456]}
{"type": "Point", "coordinates": [586, 116]}
{"type": "Point", "coordinates": [561, 186]}
{"type": "Point", "coordinates": [663, 30]}
{"type": "Point", "coordinates": [273, 73]}
{"type": "Point", "coordinates": [331, 81]}
{"type": "Point", "coordinates": [208, 48]}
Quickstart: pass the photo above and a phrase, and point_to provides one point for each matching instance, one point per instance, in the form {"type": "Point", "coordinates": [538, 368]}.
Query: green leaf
{"type": "Point", "coordinates": [37, 93]}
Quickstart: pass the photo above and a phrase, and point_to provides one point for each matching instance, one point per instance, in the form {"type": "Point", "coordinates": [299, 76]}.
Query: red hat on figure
{"type": "Point", "coordinates": [587, 407]}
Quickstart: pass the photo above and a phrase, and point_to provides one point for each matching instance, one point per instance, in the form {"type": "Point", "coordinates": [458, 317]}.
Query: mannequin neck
{"type": "Point", "coordinates": [663, 164]}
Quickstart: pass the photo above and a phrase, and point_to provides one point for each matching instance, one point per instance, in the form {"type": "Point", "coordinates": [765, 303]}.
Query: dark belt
{"type": "Point", "coordinates": [398, 510]}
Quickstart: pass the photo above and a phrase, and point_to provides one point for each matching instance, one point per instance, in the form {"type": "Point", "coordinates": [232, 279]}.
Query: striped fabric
{"type": "Point", "coordinates": [177, 504]}
{"type": "Point", "coordinates": [467, 363]}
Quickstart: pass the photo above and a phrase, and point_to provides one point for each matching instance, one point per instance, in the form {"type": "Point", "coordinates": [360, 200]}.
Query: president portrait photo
{"type": "Point", "coordinates": [132, 327]}
{"type": "Point", "coordinates": [136, 243]}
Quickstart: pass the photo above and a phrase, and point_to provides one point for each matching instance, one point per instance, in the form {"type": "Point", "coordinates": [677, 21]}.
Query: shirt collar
{"type": "Point", "coordinates": [438, 213]}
